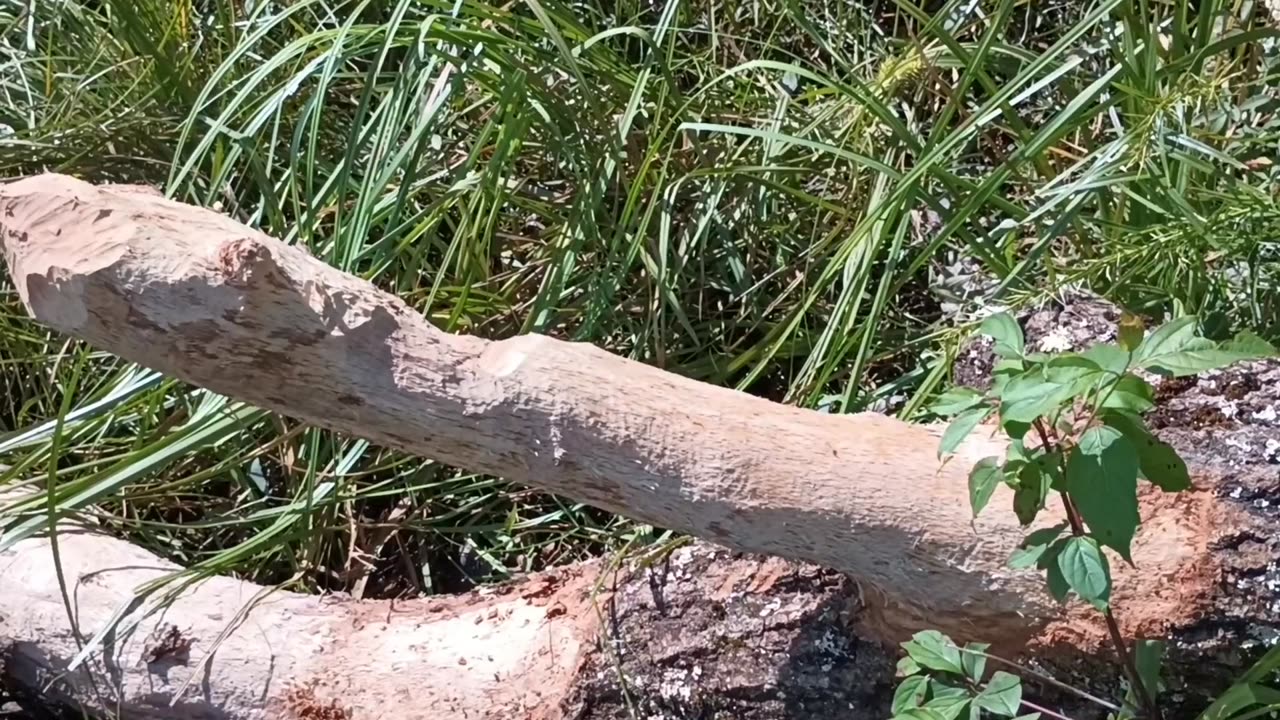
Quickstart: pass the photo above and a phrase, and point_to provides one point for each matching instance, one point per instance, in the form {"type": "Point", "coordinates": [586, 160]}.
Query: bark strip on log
{"type": "Point", "coordinates": [201, 297]}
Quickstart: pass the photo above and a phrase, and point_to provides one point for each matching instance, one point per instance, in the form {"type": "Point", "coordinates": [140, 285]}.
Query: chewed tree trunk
{"type": "Point", "coordinates": [196, 295]}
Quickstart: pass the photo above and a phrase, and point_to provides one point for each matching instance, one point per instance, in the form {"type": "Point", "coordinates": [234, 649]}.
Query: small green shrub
{"type": "Point", "coordinates": [1075, 425]}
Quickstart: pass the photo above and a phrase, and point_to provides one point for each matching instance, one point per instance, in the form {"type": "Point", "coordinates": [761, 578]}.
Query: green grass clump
{"type": "Point", "coordinates": [765, 195]}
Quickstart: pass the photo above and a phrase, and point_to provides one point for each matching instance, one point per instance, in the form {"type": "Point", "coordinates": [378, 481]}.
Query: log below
{"type": "Point", "coordinates": [769, 639]}
{"type": "Point", "coordinates": [199, 296]}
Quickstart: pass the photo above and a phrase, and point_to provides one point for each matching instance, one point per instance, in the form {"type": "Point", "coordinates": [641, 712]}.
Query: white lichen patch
{"type": "Point", "coordinates": [1238, 444]}
{"type": "Point", "coordinates": [676, 685]}
{"type": "Point", "coordinates": [1057, 340]}
{"type": "Point", "coordinates": [1272, 451]}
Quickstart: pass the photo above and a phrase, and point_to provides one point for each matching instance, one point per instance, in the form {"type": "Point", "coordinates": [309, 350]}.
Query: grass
{"type": "Point", "coordinates": [781, 196]}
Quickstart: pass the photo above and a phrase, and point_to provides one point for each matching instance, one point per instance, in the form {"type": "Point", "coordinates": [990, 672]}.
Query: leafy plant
{"type": "Point", "coordinates": [944, 681]}
{"type": "Point", "coordinates": [1074, 421]}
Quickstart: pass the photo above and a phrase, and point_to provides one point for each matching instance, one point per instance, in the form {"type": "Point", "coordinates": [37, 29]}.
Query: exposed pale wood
{"type": "Point", "coordinates": [731, 632]}
{"type": "Point", "coordinates": [197, 295]}
{"type": "Point", "coordinates": [291, 656]}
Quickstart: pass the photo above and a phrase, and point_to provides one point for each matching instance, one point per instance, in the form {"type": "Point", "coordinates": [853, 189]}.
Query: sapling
{"type": "Point", "coordinates": [1075, 426]}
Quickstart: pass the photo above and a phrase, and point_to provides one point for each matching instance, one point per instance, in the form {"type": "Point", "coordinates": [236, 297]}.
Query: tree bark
{"type": "Point", "coordinates": [201, 297]}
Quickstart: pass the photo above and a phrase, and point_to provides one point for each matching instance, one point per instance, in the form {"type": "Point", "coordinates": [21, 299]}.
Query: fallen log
{"type": "Point", "coordinates": [201, 297]}
{"type": "Point", "coordinates": [558, 644]}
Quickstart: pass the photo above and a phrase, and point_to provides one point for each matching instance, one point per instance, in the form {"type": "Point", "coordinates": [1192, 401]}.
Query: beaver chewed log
{"type": "Point", "coordinates": [198, 296]}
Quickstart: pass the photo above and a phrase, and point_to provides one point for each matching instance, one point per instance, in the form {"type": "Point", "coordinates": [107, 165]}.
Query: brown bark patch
{"type": "Point", "coordinates": [1173, 581]}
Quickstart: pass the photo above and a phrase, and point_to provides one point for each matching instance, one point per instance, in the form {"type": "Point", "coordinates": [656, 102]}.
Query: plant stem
{"type": "Point", "coordinates": [1073, 516]}
{"type": "Point", "coordinates": [1045, 711]}
{"type": "Point", "coordinates": [1131, 669]}
{"type": "Point", "coordinates": [1048, 679]}
{"type": "Point", "coordinates": [1113, 628]}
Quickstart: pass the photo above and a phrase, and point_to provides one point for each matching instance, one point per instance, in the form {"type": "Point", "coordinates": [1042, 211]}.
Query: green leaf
{"type": "Point", "coordinates": [942, 688]}
{"type": "Point", "coordinates": [1007, 334]}
{"type": "Point", "coordinates": [1167, 339]}
{"type": "Point", "coordinates": [1026, 505]}
{"type": "Point", "coordinates": [1194, 362]}
{"type": "Point", "coordinates": [974, 661]}
{"type": "Point", "coordinates": [955, 400]}
{"type": "Point", "coordinates": [959, 429]}
{"type": "Point", "coordinates": [1029, 497]}
{"type": "Point", "coordinates": [1002, 696]}
{"type": "Point", "coordinates": [935, 651]}
{"type": "Point", "coordinates": [1047, 464]}
{"type": "Point", "coordinates": [1056, 582]}
{"type": "Point", "coordinates": [1246, 342]}
{"type": "Point", "coordinates": [1157, 460]}
{"type": "Point", "coordinates": [907, 667]}
{"type": "Point", "coordinates": [1033, 547]}
{"type": "Point", "coordinates": [1050, 557]}
{"type": "Point", "coordinates": [1028, 396]}
{"type": "Point", "coordinates": [1015, 429]}
{"type": "Point", "coordinates": [1175, 350]}
{"type": "Point", "coordinates": [1050, 465]}
{"type": "Point", "coordinates": [949, 707]}
{"type": "Point", "coordinates": [1067, 369]}
{"type": "Point", "coordinates": [983, 479]}
{"type": "Point", "coordinates": [1265, 666]}
{"type": "Point", "coordinates": [948, 700]}
{"type": "Point", "coordinates": [1246, 691]}
{"type": "Point", "coordinates": [1085, 569]}
{"type": "Point", "coordinates": [1023, 558]}
{"type": "Point", "coordinates": [1148, 656]}
{"type": "Point", "coordinates": [910, 693]}
{"type": "Point", "coordinates": [1004, 370]}
{"type": "Point", "coordinates": [1102, 478]}
{"type": "Point", "coordinates": [918, 714]}
{"type": "Point", "coordinates": [1130, 393]}
{"type": "Point", "coordinates": [1130, 331]}
{"type": "Point", "coordinates": [1017, 455]}
{"type": "Point", "coordinates": [1042, 391]}
{"type": "Point", "coordinates": [1110, 358]}
{"type": "Point", "coordinates": [1240, 697]}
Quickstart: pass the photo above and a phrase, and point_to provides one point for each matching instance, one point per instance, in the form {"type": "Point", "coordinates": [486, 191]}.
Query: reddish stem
{"type": "Point", "coordinates": [1113, 628]}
